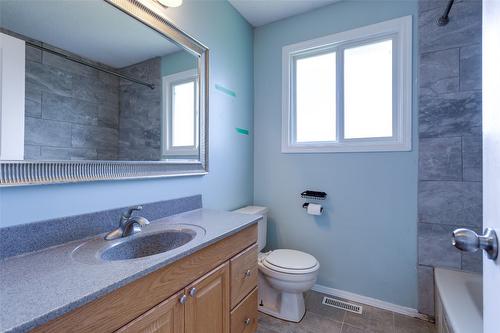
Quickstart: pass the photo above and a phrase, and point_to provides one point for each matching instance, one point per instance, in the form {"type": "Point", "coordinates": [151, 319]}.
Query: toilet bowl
{"type": "Point", "coordinates": [284, 275]}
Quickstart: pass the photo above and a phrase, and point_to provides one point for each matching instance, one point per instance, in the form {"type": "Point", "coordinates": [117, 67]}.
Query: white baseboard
{"type": "Point", "coordinates": [370, 301]}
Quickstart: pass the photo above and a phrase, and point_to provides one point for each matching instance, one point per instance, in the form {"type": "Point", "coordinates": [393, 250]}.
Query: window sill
{"type": "Point", "coordinates": [347, 147]}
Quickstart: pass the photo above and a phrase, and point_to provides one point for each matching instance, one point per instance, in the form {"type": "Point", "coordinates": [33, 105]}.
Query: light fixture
{"type": "Point", "coordinates": [170, 3]}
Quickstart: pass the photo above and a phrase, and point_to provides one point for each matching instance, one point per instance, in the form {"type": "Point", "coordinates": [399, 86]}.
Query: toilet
{"type": "Point", "coordinates": [284, 275]}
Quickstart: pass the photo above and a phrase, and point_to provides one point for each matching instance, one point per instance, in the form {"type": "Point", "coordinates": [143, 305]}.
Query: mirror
{"type": "Point", "coordinates": [100, 81]}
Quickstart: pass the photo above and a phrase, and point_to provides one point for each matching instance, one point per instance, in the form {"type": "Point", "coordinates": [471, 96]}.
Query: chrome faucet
{"type": "Point", "coordinates": [128, 225]}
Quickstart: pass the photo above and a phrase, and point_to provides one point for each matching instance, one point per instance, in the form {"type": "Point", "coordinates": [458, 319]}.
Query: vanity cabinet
{"type": "Point", "coordinates": [207, 305]}
{"type": "Point", "coordinates": [202, 307]}
{"type": "Point", "coordinates": [213, 290]}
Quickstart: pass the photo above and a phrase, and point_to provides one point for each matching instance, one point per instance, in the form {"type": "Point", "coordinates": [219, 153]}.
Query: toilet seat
{"type": "Point", "coordinates": [290, 262]}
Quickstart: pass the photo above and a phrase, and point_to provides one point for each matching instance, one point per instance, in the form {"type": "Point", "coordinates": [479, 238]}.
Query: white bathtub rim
{"type": "Point", "coordinates": [461, 312]}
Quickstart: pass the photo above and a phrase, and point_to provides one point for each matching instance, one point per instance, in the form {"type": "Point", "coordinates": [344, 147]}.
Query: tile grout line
{"type": "Point", "coordinates": [343, 319]}
{"type": "Point", "coordinates": [393, 322]}
{"type": "Point", "coordinates": [462, 225]}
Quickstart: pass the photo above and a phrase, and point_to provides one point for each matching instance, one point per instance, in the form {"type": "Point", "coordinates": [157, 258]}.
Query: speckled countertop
{"type": "Point", "coordinates": [40, 286]}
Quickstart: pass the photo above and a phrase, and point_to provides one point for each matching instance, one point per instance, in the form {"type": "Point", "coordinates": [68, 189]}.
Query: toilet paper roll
{"type": "Point", "coordinates": [314, 209]}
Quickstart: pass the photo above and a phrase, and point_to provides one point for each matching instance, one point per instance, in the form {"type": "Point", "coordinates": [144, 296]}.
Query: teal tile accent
{"type": "Point", "coordinates": [242, 131]}
{"type": "Point", "coordinates": [225, 90]}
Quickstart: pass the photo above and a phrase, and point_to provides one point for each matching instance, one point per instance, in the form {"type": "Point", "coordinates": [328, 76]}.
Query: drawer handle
{"type": "Point", "coordinates": [247, 321]}
{"type": "Point", "coordinates": [248, 273]}
{"type": "Point", "coordinates": [182, 299]}
{"type": "Point", "coordinates": [192, 292]}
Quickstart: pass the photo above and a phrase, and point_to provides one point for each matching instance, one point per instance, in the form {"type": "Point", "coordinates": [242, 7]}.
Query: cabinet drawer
{"type": "Point", "coordinates": [244, 316]}
{"type": "Point", "coordinates": [244, 271]}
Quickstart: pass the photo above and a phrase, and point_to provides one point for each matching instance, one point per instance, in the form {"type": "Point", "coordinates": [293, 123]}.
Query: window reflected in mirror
{"type": "Point", "coordinates": [180, 137]}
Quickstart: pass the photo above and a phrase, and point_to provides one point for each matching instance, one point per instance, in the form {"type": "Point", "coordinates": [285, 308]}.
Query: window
{"type": "Point", "coordinates": [180, 122]}
{"type": "Point", "coordinates": [368, 73]}
{"type": "Point", "coordinates": [315, 110]}
{"type": "Point", "coordinates": [183, 113]}
{"type": "Point", "coordinates": [349, 92]}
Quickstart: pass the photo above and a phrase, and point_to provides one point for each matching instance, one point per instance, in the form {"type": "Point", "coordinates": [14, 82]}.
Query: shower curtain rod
{"type": "Point", "coordinates": [84, 63]}
{"type": "Point", "coordinates": [444, 19]}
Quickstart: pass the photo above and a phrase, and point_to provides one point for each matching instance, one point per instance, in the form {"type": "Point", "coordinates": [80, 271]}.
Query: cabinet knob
{"type": "Point", "coordinates": [247, 321]}
{"type": "Point", "coordinates": [182, 299]}
{"type": "Point", "coordinates": [193, 292]}
{"type": "Point", "coordinates": [248, 273]}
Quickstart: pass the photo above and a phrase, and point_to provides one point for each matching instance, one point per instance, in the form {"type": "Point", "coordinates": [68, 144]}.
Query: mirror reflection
{"type": "Point", "coordinates": [97, 85]}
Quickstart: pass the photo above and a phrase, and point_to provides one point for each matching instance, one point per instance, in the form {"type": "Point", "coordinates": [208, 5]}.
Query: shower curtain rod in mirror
{"type": "Point", "coordinates": [444, 19]}
{"type": "Point", "coordinates": [84, 63]}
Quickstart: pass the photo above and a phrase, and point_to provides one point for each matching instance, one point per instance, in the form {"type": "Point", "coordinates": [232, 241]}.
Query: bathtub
{"type": "Point", "coordinates": [459, 301]}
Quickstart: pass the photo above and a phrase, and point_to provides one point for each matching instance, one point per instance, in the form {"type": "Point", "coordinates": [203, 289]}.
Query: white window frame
{"type": "Point", "coordinates": [12, 97]}
{"type": "Point", "coordinates": [168, 82]}
{"type": "Point", "coordinates": [400, 32]}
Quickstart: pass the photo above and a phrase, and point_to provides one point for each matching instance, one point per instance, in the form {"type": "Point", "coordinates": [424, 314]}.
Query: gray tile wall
{"type": "Point", "coordinates": [450, 143]}
{"type": "Point", "coordinates": [72, 111]}
{"type": "Point", "coordinates": [140, 113]}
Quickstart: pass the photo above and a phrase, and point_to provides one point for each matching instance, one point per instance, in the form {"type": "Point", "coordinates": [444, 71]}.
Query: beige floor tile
{"type": "Point", "coordinates": [312, 323]}
{"type": "Point", "coordinates": [372, 320]}
{"type": "Point", "coordinates": [405, 324]}
{"type": "Point", "coordinates": [314, 304]}
{"type": "Point", "coordinates": [346, 328]}
{"type": "Point", "coordinates": [324, 319]}
{"type": "Point", "coordinates": [270, 324]}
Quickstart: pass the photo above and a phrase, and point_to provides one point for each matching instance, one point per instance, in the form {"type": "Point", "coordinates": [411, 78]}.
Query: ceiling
{"type": "Point", "coordinates": [91, 29]}
{"type": "Point", "coordinates": [260, 12]}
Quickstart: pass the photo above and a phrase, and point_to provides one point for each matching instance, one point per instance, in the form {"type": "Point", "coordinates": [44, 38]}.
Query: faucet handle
{"type": "Point", "coordinates": [130, 211]}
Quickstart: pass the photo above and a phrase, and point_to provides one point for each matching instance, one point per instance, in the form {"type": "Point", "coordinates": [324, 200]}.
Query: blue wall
{"type": "Point", "coordinates": [229, 183]}
{"type": "Point", "coordinates": [366, 241]}
{"type": "Point", "coordinates": [177, 62]}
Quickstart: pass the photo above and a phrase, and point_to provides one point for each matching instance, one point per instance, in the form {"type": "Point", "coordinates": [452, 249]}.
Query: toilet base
{"type": "Point", "coordinates": [290, 307]}
{"type": "Point", "coordinates": [284, 305]}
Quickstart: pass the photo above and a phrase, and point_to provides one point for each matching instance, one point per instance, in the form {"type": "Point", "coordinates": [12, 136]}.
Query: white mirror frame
{"type": "Point", "coordinates": [150, 13]}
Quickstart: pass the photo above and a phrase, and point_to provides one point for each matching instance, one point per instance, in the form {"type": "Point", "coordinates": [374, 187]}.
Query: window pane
{"type": "Point", "coordinates": [315, 98]}
{"type": "Point", "coordinates": [183, 114]}
{"type": "Point", "coordinates": [368, 91]}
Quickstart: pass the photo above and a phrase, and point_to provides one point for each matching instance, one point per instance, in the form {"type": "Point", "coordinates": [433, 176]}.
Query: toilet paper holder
{"type": "Point", "coordinates": [312, 195]}
{"type": "Point", "coordinates": [307, 204]}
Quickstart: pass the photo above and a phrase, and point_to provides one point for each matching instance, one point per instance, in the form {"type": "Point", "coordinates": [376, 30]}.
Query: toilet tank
{"type": "Point", "coordinates": [262, 224]}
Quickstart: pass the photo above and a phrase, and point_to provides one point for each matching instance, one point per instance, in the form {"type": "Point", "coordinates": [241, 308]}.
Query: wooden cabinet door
{"type": "Point", "coordinates": [207, 308]}
{"type": "Point", "coordinates": [166, 317]}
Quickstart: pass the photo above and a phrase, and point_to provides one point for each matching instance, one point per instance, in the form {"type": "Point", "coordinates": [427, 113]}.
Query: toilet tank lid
{"type": "Point", "coordinates": [252, 210]}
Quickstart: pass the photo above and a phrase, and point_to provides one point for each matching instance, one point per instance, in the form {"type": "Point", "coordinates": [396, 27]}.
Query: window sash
{"type": "Point", "coordinates": [169, 83]}
{"type": "Point", "coordinates": [399, 32]}
{"type": "Point", "coordinates": [339, 50]}
{"type": "Point", "coordinates": [394, 79]}
{"type": "Point", "coordinates": [303, 55]}
{"type": "Point", "coordinates": [172, 112]}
